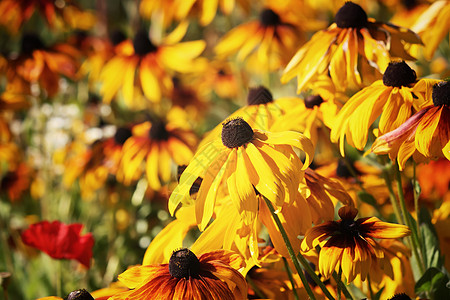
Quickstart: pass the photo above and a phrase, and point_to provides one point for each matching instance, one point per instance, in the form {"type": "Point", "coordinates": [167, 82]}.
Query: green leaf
{"type": "Point", "coordinates": [430, 241]}
{"type": "Point", "coordinates": [435, 283]}
{"type": "Point", "coordinates": [377, 296]}
{"type": "Point", "coordinates": [367, 198]}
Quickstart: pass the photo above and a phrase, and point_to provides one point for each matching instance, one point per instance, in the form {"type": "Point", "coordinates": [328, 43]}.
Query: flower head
{"type": "Point", "coordinates": [393, 99]}
{"type": "Point", "coordinates": [266, 43]}
{"type": "Point", "coordinates": [60, 241]}
{"type": "Point", "coordinates": [246, 161]}
{"type": "Point", "coordinates": [38, 63]}
{"type": "Point", "coordinates": [425, 135]}
{"type": "Point", "coordinates": [158, 144]}
{"type": "Point", "coordinates": [353, 51]}
{"type": "Point", "coordinates": [213, 275]}
{"type": "Point", "coordinates": [142, 69]}
{"type": "Point", "coordinates": [261, 111]}
{"type": "Point", "coordinates": [350, 244]}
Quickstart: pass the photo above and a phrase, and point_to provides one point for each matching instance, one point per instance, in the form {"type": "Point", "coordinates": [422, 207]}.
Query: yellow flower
{"type": "Point", "coordinates": [37, 63]}
{"type": "Point", "coordinates": [349, 244]}
{"type": "Point", "coordinates": [425, 135]}
{"type": "Point", "coordinates": [266, 44]}
{"type": "Point", "coordinates": [394, 274]}
{"type": "Point", "coordinates": [261, 112]}
{"type": "Point", "coordinates": [247, 161]}
{"type": "Point", "coordinates": [159, 144]}
{"type": "Point", "coordinates": [141, 68]}
{"type": "Point", "coordinates": [353, 51]}
{"type": "Point", "coordinates": [213, 275]}
{"type": "Point", "coordinates": [87, 164]}
{"type": "Point", "coordinates": [179, 10]}
{"type": "Point", "coordinates": [394, 99]}
{"type": "Point", "coordinates": [312, 117]}
{"type": "Point", "coordinates": [13, 14]}
{"type": "Point", "coordinates": [433, 26]}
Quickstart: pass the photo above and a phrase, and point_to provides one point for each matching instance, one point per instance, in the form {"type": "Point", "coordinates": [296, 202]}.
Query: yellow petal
{"type": "Point", "coordinates": [149, 81]}
{"type": "Point", "coordinates": [206, 198]}
{"type": "Point", "coordinates": [196, 168]}
{"type": "Point", "coordinates": [152, 167]}
{"type": "Point", "coordinates": [241, 190]}
{"type": "Point", "coordinates": [262, 176]}
{"type": "Point", "coordinates": [292, 138]}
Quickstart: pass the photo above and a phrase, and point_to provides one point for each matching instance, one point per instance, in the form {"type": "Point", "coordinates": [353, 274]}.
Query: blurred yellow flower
{"type": "Point", "coordinates": [353, 51]}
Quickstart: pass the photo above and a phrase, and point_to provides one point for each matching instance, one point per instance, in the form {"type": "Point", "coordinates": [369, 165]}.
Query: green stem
{"type": "Point", "coordinates": [289, 248]}
{"type": "Point", "coordinates": [58, 275]}
{"type": "Point", "coordinates": [416, 205]}
{"type": "Point", "coordinates": [313, 275]}
{"type": "Point", "coordinates": [369, 286]}
{"type": "Point", "coordinates": [414, 239]}
{"type": "Point", "coordinates": [392, 197]}
{"type": "Point", "coordinates": [343, 287]}
{"type": "Point", "coordinates": [255, 288]}
{"type": "Point", "coordinates": [291, 278]}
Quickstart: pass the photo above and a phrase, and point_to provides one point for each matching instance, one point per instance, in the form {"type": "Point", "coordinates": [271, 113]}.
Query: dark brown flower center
{"type": "Point", "coordinates": [313, 100]}
{"type": "Point", "coordinates": [349, 228]}
{"type": "Point", "coordinates": [142, 44]}
{"type": "Point", "coordinates": [30, 43]}
{"type": "Point", "coordinates": [117, 37]}
{"type": "Point", "coordinates": [236, 132]}
{"type": "Point", "coordinates": [121, 135]}
{"type": "Point", "coordinates": [259, 95]}
{"type": "Point", "coordinates": [351, 15]}
{"type": "Point", "coordinates": [399, 74]}
{"type": "Point", "coordinates": [410, 4]}
{"type": "Point", "coordinates": [79, 295]}
{"type": "Point", "coordinates": [342, 170]}
{"type": "Point", "coordinates": [269, 18]}
{"type": "Point", "coordinates": [184, 264]}
{"type": "Point", "coordinates": [158, 131]}
{"type": "Point", "coordinates": [195, 186]}
{"type": "Point", "coordinates": [401, 296]}
{"type": "Point", "coordinates": [441, 93]}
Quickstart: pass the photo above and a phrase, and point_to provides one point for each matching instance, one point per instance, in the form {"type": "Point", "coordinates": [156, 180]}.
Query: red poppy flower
{"type": "Point", "coordinates": [60, 241]}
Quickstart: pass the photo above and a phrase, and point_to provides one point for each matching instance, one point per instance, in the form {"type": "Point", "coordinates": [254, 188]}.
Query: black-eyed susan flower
{"type": "Point", "coordinates": [223, 78]}
{"type": "Point", "coordinates": [313, 117]}
{"type": "Point", "coordinates": [425, 135]}
{"type": "Point", "coordinates": [213, 275]}
{"type": "Point", "coordinates": [261, 111]}
{"type": "Point", "coordinates": [87, 164]}
{"type": "Point", "coordinates": [159, 144]}
{"type": "Point", "coordinates": [248, 161]}
{"type": "Point", "coordinates": [407, 12]}
{"type": "Point", "coordinates": [13, 14]}
{"type": "Point", "coordinates": [349, 245]}
{"type": "Point", "coordinates": [16, 181]}
{"type": "Point", "coordinates": [266, 44]}
{"type": "Point", "coordinates": [353, 51]}
{"type": "Point", "coordinates": [394, 99]}
{"type": "Point", "coordinates": [394, 275]}
{"type": "Point", "coordinates": [143, 70]}
{"type": "Point", "coordinates": [175, 11]}
{"type": "Point", "coordinates": [37, 63]}
{"type": "Point", "coordinates": [433, 25]}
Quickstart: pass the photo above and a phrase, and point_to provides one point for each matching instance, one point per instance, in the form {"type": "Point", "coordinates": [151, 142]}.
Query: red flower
{"type": "Point", "coordinates": [60, 241]}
